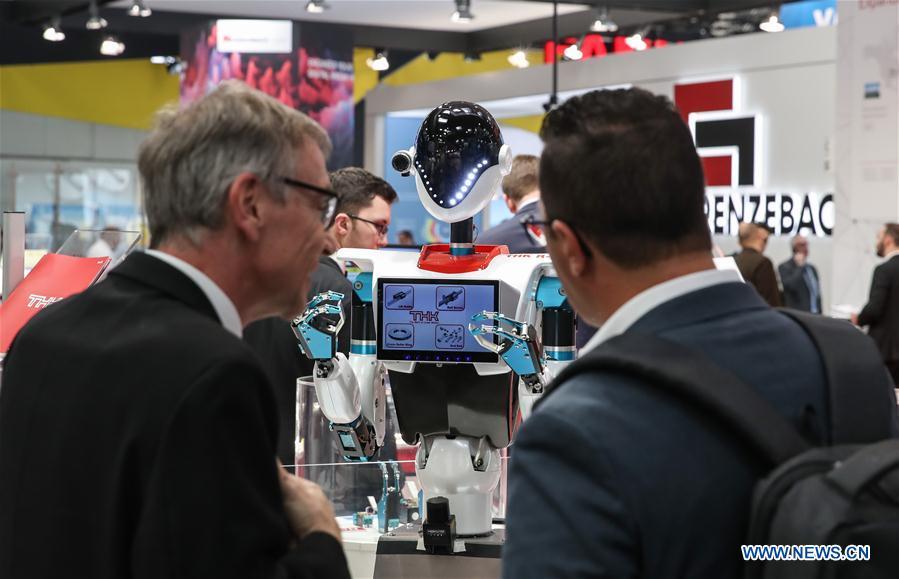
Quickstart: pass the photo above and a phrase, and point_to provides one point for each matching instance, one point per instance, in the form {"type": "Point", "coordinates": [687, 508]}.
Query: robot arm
{"type": "Point", "coordinates": [336, 385]}
{"type": "Point", "coordinates": [519, 349]}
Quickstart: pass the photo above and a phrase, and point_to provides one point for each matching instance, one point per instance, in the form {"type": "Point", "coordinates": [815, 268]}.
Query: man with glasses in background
{"type": "Point", "coordinates": [137, 430]}
{"type": "Point", "coordinates": [361, 221]}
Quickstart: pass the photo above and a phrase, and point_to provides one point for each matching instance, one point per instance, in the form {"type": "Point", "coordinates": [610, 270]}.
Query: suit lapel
{"type": "Point", "coordinates": [154, 273]}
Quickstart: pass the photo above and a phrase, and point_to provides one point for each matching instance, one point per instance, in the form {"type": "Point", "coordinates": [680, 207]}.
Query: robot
{"type": "Point", "coordinates": [467, 334]}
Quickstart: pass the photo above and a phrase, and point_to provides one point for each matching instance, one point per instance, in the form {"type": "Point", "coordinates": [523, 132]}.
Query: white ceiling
{"type": "Point", "coordinates": [420, 14]}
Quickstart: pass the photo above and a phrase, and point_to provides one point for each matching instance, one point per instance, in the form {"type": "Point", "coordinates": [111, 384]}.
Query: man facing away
{"type": "Point", "coordinates": [801, 284]}
{"type": "Point", "coordinates": [361, 221]}
{"type": "Point", "coordinates": [521, 191]}
{"type": "Point", "coordinates": [755, 268]}
{"type": "Point", "coordinates": [137, 430]}
{"type": "Point", "coordinates": [611, 477]}
{"type": "Point", "coordinates": [881, 313]}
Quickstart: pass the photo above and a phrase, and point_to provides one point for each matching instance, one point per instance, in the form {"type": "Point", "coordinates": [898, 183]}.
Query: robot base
{"type": "Point", "coordinates": [448, 470]}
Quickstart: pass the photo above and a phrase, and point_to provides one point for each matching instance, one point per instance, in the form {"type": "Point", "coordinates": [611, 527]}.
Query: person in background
{"type": "Point", "coordinates": [361, 221]}
{"type": "Point", "coordinates": [756, 269]}
{"type": "Point", "coordinates": [405, 237]}
{"type": "Point", "coordinates": [801, 284]}
{"type": "Point", "coordinates": [107, 244]}
{"type": "Point", "coordinates": [614, 475]}
{"type": "Point", "coordinates": [521, 191]}
{"type": "Point", "coordinates": [147, 447]}
{"type": "Point", "coordinates": [881, 313]}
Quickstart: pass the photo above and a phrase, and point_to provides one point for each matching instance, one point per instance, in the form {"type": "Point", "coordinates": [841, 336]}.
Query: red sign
{"type": "Point", "coordinates": [53, 278]}
{"type": "Point", "coordinates": [595, 46]}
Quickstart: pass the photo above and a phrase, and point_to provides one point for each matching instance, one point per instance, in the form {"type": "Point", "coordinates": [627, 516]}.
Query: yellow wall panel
{"type": "Point", "coordinates": [124, 93]}
{"type": "Point", "coordinates": [530, 123]}
{"type": "Point", "coordinates": [452, 65]}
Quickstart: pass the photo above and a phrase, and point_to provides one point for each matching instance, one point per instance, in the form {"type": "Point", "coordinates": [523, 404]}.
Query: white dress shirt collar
{"type": "Point", "coordinates": [647, 300]}
{"type": "Point", "coordinates": [221, 303]}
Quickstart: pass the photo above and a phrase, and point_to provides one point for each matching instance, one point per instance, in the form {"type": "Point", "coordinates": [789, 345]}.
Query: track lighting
{"type": "Point", "coordinates": [463, 12]}
{"type": "Point", "coordinates": [316, 6]}
{"type": "Point", "coordinates": [138, 8]}
{"type": "Point", "coordinates": [53, 31]}
{"type": "Point", "coordinates": [379, 62]}
{"type": "Point", "coordinates": [112, 46]}
{"type": "Point", "coordinates": [603, 22]}
{"type": "Point", "coordinates": [773, 24]}
{"type": "Point", "coordinates": [519, 59]}
{"type": "Point", "coordinates": [95, 22]}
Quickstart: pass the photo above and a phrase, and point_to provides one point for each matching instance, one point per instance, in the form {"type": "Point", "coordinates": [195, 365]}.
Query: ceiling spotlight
{"type": "Point", "coordinates": [636, 41]}
{"type": "Point", "coordinates": [95, 22]}
{"type": "Point", "coordinates": [112, 46]}
{"type": "Point", "coordinates": [573, 52]}
{"type": "Point", "coordinates": [463, 12]}
{"type": "Point", "coordinates": [519, 59]}
{"type": "Point", "coordinates": [472, 56]}
{"type": "Point", "coordinates": [379, 63]}
{"type": "Point", "coordinates": [138, 8]}
{"type": "Point", "coordinates": [53, 31]}
{"type": "Point", "coordinates": [603, 23]}
{"type": "Point", "coordinates": [773, 24]}
{"type": "Point", "coordinates": [316, 6]}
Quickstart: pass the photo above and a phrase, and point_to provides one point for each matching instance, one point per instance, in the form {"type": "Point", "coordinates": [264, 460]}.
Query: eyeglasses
{"type": "Point", "coordinates": [546, 225]}
{"type": "Point", "coordinates": [329, 211]}
{"type": "Point", "coordinates": [380, 227]}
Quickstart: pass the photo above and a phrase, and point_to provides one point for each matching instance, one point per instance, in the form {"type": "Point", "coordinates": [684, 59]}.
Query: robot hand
{"type": "Point", "coordinates": [517, 346]}
{"type": "Point", "coordinates": [316, 329]}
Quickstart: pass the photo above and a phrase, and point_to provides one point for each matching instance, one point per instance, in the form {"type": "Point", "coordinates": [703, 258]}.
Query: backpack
{"type": "Point", "coordinates": [837, 501]}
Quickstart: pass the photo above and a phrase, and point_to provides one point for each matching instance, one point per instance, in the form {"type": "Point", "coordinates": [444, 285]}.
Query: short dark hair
{"type": "Point", "coordinates": [620, 167]}
{"type": "Point", "coordinates": [523, 178]}
{"type": "Point", "coordinates": [357, 188]}
{"type": "Point", "coordinates": [892, 229]}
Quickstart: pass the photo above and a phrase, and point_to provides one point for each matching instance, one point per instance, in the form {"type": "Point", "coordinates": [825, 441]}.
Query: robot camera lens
{"type": "Point", "coordinates": [402, 162]}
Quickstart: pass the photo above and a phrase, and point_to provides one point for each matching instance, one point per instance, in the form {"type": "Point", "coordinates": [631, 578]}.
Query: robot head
{"type": "Point", "coordinates": [458, 160]}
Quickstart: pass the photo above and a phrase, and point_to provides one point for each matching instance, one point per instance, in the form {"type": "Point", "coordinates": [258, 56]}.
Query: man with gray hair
{"type": "Point", "coordinates": [801, 284]}
{"type": "Point", "coordinates": [137, 431]}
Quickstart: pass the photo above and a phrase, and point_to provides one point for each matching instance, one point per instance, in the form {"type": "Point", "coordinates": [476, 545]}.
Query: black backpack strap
{"type": "Point", "coordinates": [866, 466]}
{"type": "Point", "coordinates": [691, 376]}
{"type": "Point", "coordinates": [861, 400]}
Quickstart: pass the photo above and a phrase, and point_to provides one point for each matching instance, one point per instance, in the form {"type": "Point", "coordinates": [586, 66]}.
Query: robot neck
{"type": "Point", "coordinates": [462, 237]}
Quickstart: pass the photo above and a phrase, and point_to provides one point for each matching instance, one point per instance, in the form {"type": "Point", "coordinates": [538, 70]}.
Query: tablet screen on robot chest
{"type": "Point", "coordinates": [427, 320]}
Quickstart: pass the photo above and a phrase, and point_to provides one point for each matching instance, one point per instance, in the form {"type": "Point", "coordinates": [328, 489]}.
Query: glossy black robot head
{"type": "Point", "coordinates": [458, 160]}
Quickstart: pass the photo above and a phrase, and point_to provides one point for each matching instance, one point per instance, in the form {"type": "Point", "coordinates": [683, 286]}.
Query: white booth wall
{"type": "Point", "coordinates": [787, 80]}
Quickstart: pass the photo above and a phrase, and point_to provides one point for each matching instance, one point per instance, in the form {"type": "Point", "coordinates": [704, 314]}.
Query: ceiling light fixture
{"type": "Point", "coordinates": [53, 31]}
{"type": "Point", "coordinates": [519, 59]}
{"type": "Point", "coordinates": [95, 22]}
{"type": "Point", "coordinates": [573, 52]}
{"type": "Point", "coordinates": [636, 41]}
{"type": "Point", "coordinates": [112, 46]}
{"type": "Point", "coordinates": [773, 24]}
{"type": "Point", "coordinates": [603, 23]}
{"type": "Point", "coordinates": [472, 56]}
{"type": "Point", "coordinates": [379, 62]}
{"type": "Point", "coordinates": [316, 6]}
{"type": "Point", "coordinates": [463, 12]}
{"type": "Point", "coordinates": [138, 8]}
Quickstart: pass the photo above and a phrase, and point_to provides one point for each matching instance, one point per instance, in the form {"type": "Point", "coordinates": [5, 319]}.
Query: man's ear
{"type": "Point", "coordinates": [342, 226]}
{"type": "Point", "coordinates": [246, 204]}
{"type": "Point", "coordinates": [568, 248]}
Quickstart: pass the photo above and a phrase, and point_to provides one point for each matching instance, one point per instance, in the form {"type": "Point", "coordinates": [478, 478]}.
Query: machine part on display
{"type": "Point", "coordinates": [439, 529]}
{"type": "Point", "coordinates": [446, 467]}
{"type": "Point", "coordinates": [315, 328]}
{"type": "Point", "coordinates": [517, 346]}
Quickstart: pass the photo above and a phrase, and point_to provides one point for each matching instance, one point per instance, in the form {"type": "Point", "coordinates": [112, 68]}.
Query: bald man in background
{"type": "Point", "coordinates": [756, 269]}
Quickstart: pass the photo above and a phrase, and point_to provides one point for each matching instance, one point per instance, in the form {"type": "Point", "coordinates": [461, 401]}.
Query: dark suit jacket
{"type": "Point", "coordinates": [137, 439]}
{"type": "Point", "coordinates": [610, 478]}
{"type": "Point", "coordinates": [881, 313]}
{"type": "Point", "coordinates": [758, 271]}
{"type": "Point", "coordinates": [796, 290]}
{"type": "Point", "coordinates": [512, 233]}
{"type": "Point", "coordinates": [276, 345]}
